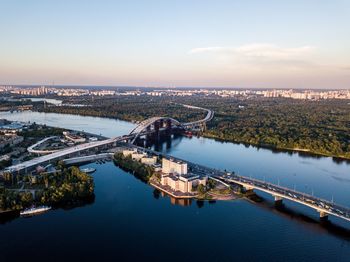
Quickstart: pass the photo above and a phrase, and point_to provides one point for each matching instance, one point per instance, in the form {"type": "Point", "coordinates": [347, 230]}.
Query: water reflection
{"type": "Point", "coordinates": [156, 193]}
{"type": "Point", "coordinates": [302, 154]}
{"type": "Point", "coordinates": [310, 222]}
{"type": "Point", "coordinates": [180, 201]}
{"type": "Point", "coordinates": [174, 201]}
{"type": "Point", "coordinates": [9, 216]}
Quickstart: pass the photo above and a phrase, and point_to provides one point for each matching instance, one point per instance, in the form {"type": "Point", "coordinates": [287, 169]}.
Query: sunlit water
{"type": "Point", "coordinates": [127, 221]}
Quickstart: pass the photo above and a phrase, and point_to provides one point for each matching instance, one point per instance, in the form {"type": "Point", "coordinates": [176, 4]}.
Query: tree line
{"type": "Point", "coordinates": [320, 127]}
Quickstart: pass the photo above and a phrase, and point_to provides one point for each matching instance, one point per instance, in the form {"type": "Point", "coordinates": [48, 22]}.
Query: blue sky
{"type": "Point", "coordinates": [270, 43]}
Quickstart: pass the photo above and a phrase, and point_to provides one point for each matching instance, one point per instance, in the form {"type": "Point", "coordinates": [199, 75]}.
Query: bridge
{"type": "Point", "coordinates": [32, 149]}
{"type": "Point", "coordinates": [157, 124]}
{"type": "Point", "coordinates": [86, 159]}
{"type": "Point", "coordinates": [154, 125]}
{"type": "Point", "coordinates": [148, 126]}
{"type": "Point", "coordinates": [208, 117]}
{"type": "Point", "coordinates": [322, 206]}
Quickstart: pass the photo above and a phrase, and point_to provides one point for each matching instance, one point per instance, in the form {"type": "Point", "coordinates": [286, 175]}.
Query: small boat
{"type": "Point", "coordinates": [188, 134]}
{"type": "Point", "coordinates": [88, 170]}
{"type": "Point", "coordinates": [34, 211]}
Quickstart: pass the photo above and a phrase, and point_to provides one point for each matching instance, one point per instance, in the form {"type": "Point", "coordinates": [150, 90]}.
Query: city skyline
{"type": "Point", "coordinates": [240, 44]}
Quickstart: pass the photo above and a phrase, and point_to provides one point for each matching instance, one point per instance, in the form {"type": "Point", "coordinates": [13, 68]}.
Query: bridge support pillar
{"type": "Point", "coordinates": [323, 215]}
{"type": "Point", "coordinates": [249, 190]}
{"type": "Point", "coordinates": [278, 200]}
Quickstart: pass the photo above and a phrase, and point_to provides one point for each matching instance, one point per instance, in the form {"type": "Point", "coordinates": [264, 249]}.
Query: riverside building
{"type": "Point", "coordinates": [175, 176]}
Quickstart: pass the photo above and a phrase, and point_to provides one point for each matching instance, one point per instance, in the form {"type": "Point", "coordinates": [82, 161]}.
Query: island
{"type": "Point", "coordinates": [173, 177]}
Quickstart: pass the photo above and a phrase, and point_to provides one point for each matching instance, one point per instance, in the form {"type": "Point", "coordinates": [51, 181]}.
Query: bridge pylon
{"type": "Point", "coordinates": [323, 215]}
{"type": "Point", "coordinates": [249, 190]}
{"type": "Point", "coordinates": [278, 200]}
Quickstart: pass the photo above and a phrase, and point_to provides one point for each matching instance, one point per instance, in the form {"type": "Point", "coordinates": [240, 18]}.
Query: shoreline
{"type": "Point", "coordinates": [280, 149]}
{"type": "Point", "coordinates": [266, 146]}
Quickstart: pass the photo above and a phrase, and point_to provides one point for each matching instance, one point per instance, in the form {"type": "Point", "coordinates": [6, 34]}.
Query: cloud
{"type": "Point", "coordinates": [260, 54]}
{"type": "Point", "coordinates": [273, 51]}
{"type": "Point", "coordinates": [256, 50]}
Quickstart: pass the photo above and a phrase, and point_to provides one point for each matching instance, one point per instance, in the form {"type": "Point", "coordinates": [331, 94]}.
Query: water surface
{"type": "Point", "coordinates": [129, 221]}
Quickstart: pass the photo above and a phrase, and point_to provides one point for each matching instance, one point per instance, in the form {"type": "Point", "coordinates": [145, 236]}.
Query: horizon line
{"type": "Point", "coordinates": [168, 87]}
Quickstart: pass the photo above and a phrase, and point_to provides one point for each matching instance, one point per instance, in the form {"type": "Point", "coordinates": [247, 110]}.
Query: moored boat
{"type": "Point", "coordinates": [88, 170]}
{"type": "Point", "coordinates": [34, 211]}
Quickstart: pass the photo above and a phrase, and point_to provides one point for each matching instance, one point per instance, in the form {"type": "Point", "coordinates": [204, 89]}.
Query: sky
{"type": "Point", "coordinates": [173, 43]}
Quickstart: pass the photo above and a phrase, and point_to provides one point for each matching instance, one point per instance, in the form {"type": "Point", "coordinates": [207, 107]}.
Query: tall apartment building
{"type": "Point", "coordinates": [174, 166]}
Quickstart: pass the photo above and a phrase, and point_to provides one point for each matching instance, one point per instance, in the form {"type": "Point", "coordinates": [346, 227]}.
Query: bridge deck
{"type": "Point", "coordinates": [319, 204]}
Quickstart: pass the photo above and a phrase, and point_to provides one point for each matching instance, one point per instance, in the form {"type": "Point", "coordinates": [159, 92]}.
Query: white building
{"type": "Point", "coordinates": [128, 152]}
{"type": "Point", "coordinates": [149, 160]}
{"type": "Point", "coordinates": [74, 138]}
{"type": "Point", "coordinates": [138, 156]}
{"type": "Point", "coordinates": [174, 166]}
{"type": "Point", "coordinates": [183, 183]}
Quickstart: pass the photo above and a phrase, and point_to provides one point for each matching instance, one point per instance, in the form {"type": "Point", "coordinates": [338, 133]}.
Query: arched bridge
{"type": "Point", "coordinates": [147, 126]}
{"type": "Point", "coordinates": [156, 124]}
{"type": "Point", "coordinates": [208, 117]}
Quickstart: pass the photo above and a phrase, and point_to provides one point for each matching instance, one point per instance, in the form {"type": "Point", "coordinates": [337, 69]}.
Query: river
{"type": "Point", "coordinates": [129, 221]}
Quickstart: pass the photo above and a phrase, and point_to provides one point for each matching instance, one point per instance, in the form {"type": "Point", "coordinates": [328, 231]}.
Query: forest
{"type": "Point", "coordinates": [65, 186]}
{"type": "Point", "coordinates": [141, 171]}
{"type": "Point", "coordinates": [319, 127]}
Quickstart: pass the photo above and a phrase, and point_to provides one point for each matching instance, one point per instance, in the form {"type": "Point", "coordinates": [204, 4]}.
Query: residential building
{"type": "Point", "coordinates": [174, 166]}
{"type": "Point", "coordinates": [128, 152]}
{"type": "Point", "coordinates": [149, 160]}
{"type": "Point", "coordinates": [138, 156]}
{"type": "Point", "coordinates": [184, 183]}
{"type": "Point", "coordinates": [73, 137]}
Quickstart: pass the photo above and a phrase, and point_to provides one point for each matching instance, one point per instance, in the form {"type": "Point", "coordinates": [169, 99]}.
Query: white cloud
{"type": "Point", "coordinates": [261, 53]}
{"type": "Point", "coordinates": [273, 51]}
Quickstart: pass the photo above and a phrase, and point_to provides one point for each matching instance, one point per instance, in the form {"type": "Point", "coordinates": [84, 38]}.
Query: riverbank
{"type": "Point", "coordinates": [210, 133]}
{"type": "Point", "coordinates": [64, 187]}
{"type": "Point", "coordinates": [213, 190]}
{"type": "Point", "coordinates": [277, 148]}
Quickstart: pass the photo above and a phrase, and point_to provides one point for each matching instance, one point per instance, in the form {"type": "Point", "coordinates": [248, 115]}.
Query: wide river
{"type": "Point", "coordinates": [129, 221]}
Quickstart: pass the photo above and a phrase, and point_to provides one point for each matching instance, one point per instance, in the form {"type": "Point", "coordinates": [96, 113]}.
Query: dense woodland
{"type": "Point", "coordinates": [128, 108]}
{"type": "Point", "coordinates": [50, 189]}
{"type": "Point", "coordinates": [141, 171]}
{"type": "Point", "coordinates": [320, 127]}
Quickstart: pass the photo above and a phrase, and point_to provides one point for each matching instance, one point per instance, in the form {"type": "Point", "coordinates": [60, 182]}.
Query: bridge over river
{"type": "Point", "coordinates": [324, 207]}
{"type": "Point", "coordinates": [149, 126]}
{"type": "Point", "coordinates": [157, 124]}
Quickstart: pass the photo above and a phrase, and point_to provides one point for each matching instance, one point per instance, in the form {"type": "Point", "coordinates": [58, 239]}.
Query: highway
{"type": "Point", "coordinates": [208, 117]}
{"type": "Point", "coordinates": [62, 154]}
{"type": "Point", "coordinates": [41, 152]}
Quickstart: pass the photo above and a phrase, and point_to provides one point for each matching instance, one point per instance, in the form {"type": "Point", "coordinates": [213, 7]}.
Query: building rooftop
{"type": "Point", "coordinates": [176, 161]}
{"type": "Point", "coordinates": [189, 177]}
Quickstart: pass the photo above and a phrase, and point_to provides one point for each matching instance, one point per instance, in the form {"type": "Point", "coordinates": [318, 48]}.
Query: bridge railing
{"type": "Point", "coordinates": [258, 183]}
